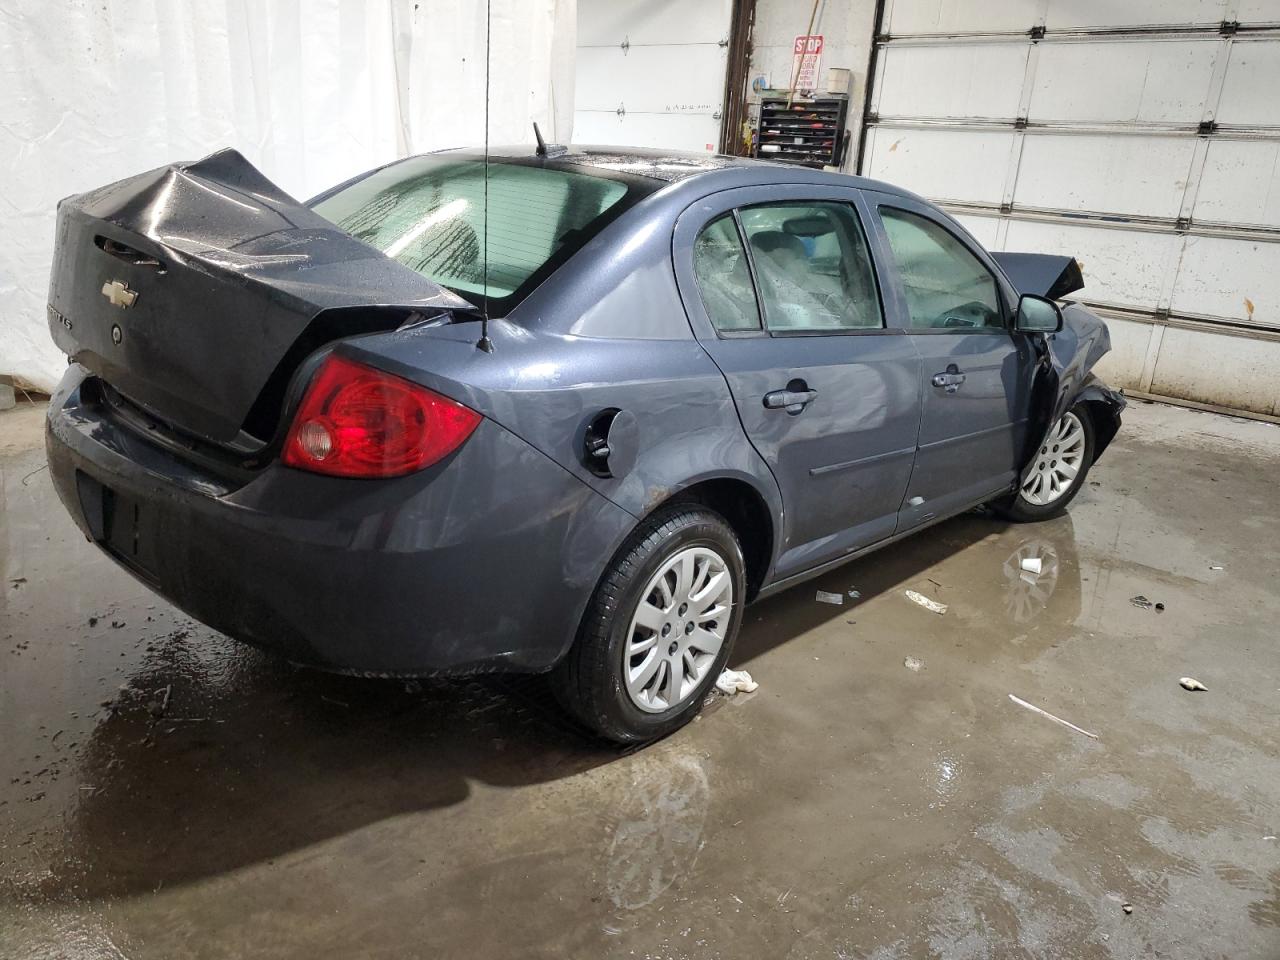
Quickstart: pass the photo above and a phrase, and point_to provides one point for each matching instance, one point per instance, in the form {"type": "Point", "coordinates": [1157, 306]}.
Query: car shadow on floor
{"type": "Point", "coordinates": [283, 758]}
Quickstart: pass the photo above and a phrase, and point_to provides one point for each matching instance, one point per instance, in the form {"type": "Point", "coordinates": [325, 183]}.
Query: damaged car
{"type": "Point", "coordinates": [560, 411]}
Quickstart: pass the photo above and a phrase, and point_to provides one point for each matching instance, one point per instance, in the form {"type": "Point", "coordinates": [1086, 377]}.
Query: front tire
{"type": "Point", "coordinates": [1057, 471]}
{"type": "Point", "coordinates": [658, 629]}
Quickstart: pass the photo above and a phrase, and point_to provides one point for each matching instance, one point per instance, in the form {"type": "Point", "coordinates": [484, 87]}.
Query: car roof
{"type": "Point", "coordinates": [670, 166]}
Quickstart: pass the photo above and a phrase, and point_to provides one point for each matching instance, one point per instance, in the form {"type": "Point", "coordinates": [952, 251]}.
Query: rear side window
{"type": "Point", "coordinates": [428, 213]}
{"type": "Point", "coordinates": [724, 279]}
{"type": "Point", "coordinates": [946, 286]}
{"type": "Point", "coordinates": [812, 267]}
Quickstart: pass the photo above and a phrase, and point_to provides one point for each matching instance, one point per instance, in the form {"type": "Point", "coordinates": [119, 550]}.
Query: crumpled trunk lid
{"type": "Point", "coordinates": [192, 288]}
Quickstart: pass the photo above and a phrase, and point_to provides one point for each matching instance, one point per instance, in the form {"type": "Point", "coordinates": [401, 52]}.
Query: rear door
{"type": "Point", "coordinates": [976, 373]}
{"type": "Point", "coordinates": [781, 290]}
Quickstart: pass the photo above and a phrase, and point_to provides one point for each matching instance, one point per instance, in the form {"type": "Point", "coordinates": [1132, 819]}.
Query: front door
{"type": "Point", "coordinates": [976, 372]}
{"type": "Point", "coordinates": [827, 393]}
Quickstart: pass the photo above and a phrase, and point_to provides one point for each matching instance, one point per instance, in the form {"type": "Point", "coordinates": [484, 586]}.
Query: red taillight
{"type": "Point", "coordinates": [356, 421]}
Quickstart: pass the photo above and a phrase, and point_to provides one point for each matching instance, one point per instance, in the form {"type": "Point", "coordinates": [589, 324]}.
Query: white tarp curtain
{"type": "Point", "coordinates": [312, 91]}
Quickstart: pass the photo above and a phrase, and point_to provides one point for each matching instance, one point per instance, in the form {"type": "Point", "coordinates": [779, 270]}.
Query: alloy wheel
{"type": "Point", "coordinates": [1057, 464]}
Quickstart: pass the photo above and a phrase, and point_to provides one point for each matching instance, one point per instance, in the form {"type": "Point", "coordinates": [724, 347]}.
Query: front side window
{"type": "Point", "coordinates": [724, 279]}
{"type": "Point", "coordinates": [429, 213]}
{"type": "Point", "coordinates": [946, 286]}
{"type": "Point", "coordinates": [812, 267]}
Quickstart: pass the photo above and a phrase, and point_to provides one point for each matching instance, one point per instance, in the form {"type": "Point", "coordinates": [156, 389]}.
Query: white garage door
{"type": "Point", "coordinates": [650, 73]}
{"type": "Point", "coordinates": [1142, 137]}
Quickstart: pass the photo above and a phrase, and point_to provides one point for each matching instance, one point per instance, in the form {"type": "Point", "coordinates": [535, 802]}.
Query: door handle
{"type": "Point", "coordinates": [950, 380]}
{"type": "Point", "coordinates": [792, 401]}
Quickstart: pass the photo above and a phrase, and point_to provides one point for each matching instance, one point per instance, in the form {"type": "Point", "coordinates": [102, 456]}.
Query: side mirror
{"type": "Point", "coordinates": [1037, 315]}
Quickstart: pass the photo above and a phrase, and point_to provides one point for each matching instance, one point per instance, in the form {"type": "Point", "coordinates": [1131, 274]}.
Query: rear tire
{"type": "Point", "coordinates": [643, 660]}
{"type": "Point", "coordinates": [1058, 470]}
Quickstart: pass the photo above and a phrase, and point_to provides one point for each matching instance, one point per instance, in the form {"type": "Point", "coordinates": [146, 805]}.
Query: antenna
{"type": "Point", "coordinates": [485, 343]}
{"type": "Point", "coordinates": [545, 149]}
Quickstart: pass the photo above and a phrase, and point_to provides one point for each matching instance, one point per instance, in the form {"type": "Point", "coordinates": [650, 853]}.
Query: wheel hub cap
{"type": "Point", "coordinates": [688, 602]}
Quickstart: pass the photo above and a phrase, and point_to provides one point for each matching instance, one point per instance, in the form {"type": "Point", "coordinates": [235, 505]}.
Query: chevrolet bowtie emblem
{"type": "Point", "coordinates": [119, 294]}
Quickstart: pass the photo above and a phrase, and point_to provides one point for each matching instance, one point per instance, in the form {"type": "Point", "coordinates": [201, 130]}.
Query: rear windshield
{"type": "Point", "coordinates": [428, 213]}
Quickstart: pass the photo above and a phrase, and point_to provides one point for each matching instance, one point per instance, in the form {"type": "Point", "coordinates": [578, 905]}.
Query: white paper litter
{"type": "Point", "coordinates": [913, 664]}
{"type": "Point", "coordinates": [920, 598]}
{"type": "Point", "coordinates": [735, 681]}
{"type": "Point", "coordinates": [1032, 564]}
{"type": "Point", "coordinates": [824, 597]}
{"type": "Point", "coordinates": [855, 595]}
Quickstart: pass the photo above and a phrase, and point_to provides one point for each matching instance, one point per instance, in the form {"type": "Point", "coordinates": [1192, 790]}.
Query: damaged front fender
{"type": "Point", "coordinates": [1065, 377]}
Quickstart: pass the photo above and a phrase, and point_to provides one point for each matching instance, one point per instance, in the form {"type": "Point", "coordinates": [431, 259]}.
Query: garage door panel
{"type": "Point", "coordinates": [1110, 162]}
{"type": "Point", "coordinates": [1122, 367]}
{"type": "Point", "coordinates": [984, 229]}
{"type": "Point", "coordinates": [961, 16]}
{"type": "Point", "coordinates": [1251, 91]}
{"type": "Point", "coordinates": [942, 164]}
{"type": "Point", "coordinates": [1257, 11]}
{"type": "Point", "coordinates": [953, 82]}
{"type": "Point", "coordinates": [1235, 279]}
{"type": "Point", "coordinates": [1150, 81]}
{"type": "Point", "coordinates": [650, 21]}
{"type": "Point", "coordinates": [1073, 14]}
{"type": "Point", "coordinates": [1241, 183]}
{"type": "Point", "coordinates": [1134, 176]}
{"type": "Point", "coordinates": [650, 79]}
{"type": "Point", "coordinates": [1192, 362]}
{"type": "Point", "coordinates": [696, 132]}
{"type": "Point", "coordinates": [1121, 267]}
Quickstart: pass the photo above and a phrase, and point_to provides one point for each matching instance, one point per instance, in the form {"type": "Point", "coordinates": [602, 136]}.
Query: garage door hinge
{"type": "Point", "coordinates": [871, 118]}
{"type": "Point", "coordinates": [1207, 127]}
{"type": "Point", "coordinates": [1036, 33]}
{"type": "Point", "coordinates": [1162, 313]}
{"type": "Point", "coordinates": [1006, 208]}
{"type": "Point", "coordinates": [625, 45]}
{"type": "Point", "coordinates": [622, 110]}
{"type": "Point", "coordinates": [1020, 123]}
{"type": "Point", "coordinates": [724, 42]}
{"type": "Point", "coordinates": [1182, 224]}
{"type": "Point", "coordinates": [1228, 28]}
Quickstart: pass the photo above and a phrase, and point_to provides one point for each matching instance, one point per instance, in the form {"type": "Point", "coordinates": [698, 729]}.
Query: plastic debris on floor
{"type": "Point", "coordinates": [834, 598]}
{"type": "Point", "coordinates": [1191, 683]}
{"type": "Point", "coordinates": [920, 598]}
{"type": "Point", "coordinates": [1046, 714]}
{"type": "Point", "coordinates": [913, 664]}
{"type": "Point", "coordinates": [735, 681]}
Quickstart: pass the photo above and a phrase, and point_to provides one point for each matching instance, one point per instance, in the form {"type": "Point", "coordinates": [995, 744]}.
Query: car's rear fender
{"type": "Point", "coordinates": [677, 425]}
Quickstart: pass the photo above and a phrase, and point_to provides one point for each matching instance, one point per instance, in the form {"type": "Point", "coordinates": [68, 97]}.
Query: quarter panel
{"type": "Point", "coordinates": [547, 388]}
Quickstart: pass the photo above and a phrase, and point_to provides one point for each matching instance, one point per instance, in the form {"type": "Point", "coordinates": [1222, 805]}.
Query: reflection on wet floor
{"type": "Point", "coordinates": [165, 792]}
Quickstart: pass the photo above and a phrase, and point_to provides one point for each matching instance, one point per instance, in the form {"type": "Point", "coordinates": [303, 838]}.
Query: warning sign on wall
{"type": "Point", "coordinates": [805, 62]}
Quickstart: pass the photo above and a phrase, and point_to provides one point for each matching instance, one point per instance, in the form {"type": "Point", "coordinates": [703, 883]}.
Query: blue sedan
{"type": "Point", "coordinates": [561, 411]}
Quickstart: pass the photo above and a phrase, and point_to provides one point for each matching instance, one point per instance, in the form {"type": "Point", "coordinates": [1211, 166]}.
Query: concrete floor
{"type": "Point", "coordinates": [849, 808]}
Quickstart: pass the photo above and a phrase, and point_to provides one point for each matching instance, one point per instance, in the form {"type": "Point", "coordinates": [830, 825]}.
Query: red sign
{"type": "Point", "coordinates": [806, 58]}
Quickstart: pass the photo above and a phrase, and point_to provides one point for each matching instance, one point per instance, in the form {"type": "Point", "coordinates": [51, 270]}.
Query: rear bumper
{"type": "Point", "coordinates": [482, 562]}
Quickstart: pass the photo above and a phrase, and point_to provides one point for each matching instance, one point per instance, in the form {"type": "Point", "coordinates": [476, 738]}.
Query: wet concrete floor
{"type": "Point", "coordinates": [167, 793]}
